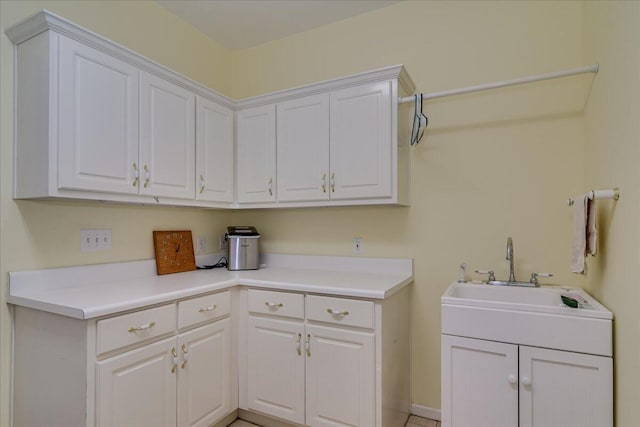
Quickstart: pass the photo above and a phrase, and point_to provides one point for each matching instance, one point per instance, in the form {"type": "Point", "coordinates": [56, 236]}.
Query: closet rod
{"type": "Point", "coordinates": [554, 75]}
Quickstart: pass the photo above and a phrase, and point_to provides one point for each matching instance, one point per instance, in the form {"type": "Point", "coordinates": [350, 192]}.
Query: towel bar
{"type": "Point", "coordinates": [600, 194]}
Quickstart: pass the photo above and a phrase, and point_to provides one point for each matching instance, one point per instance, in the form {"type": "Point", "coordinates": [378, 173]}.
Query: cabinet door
{"type": "Point", "coordinates": [275, 368]}
{"type": "Point", "coordinates": [214, 152]}
{"type": "Point", "coordinates": [98, 120]}
{"type": "Point", "coordinates": [564, 389]}
{"type": "Point", "coordinates": [204, 393]}
{"type": "Point", "coordinates": [167, 143]}
{"type": "Point", "coordinates": [138, 388]}
{"type": "Point", "coordinates": [340, 378]}
{"type": "Point", "coordinates": [303, 149]}
{"type": "Point", "coordinates": [361, 142]}
{"type": "Point", "coordinates": [479, 383]}
{"type": "Point", "coordinates": [256, 148]}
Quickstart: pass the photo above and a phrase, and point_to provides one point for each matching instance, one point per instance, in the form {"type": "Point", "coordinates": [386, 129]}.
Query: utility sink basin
{"type": "Point", "coordinates": [527, 315]}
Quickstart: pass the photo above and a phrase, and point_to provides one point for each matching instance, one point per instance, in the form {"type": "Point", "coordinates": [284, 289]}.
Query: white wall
{"type": "Point", "coordinates": [612, 158]}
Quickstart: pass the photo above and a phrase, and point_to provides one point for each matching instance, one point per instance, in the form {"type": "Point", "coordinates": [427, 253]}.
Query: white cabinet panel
{"type": "Point", "coordinates": [214, 152]}
{"type": "Point", "coordinates": [340, 378]}
{"type": "Point", "coordinates": [137, 388]}
{"type": "Point", "coordinates": [303, 149]}
{"type": "Point", "coordinates": [487, 383]}
{"type": "Point", "coordinates": [98, 120]}
{"type": "Point", "coordinates": [256, 151]}
{"type": "Point", "coordinates": [479, 383]}
{"type": "Point", "coordinates": [204, 393]}
{"type": "Point", "coordinates": [275, 368]}
{"type": "Point", "coordinates": [361, 142]}
{"type": "Point", "coordinates": [167, 143]}
{"type": "Point", "coordinates": [564, 389]}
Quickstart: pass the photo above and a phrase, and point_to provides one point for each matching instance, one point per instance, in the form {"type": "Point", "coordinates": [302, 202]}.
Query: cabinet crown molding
{"type": "Point", "coordinates": [46, 20]}
{"type": "Point", "coordinates": [387, 73]}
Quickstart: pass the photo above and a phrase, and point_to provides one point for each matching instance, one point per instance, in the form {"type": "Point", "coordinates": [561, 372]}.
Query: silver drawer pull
{"type": "Point", "coordinates": [272, 305]}
{"type": "Point", "coordinates": [142, 327]}
{"type": "Point", "coordinates": [211, 307]}
{"type": "Point", "coordinates": [337, 313]}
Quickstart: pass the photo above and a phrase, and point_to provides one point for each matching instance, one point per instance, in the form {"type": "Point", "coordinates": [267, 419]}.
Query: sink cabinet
{"type": "Point", "coordinates": [170, 365]}
{"type": "Point", "coordinates": [516, 357]}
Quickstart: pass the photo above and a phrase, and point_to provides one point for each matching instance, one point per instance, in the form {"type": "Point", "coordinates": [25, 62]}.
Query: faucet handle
{"type": "Point", "coordinates": [534, 277]}
{"type": "Point", "coordinates": [491, 274]}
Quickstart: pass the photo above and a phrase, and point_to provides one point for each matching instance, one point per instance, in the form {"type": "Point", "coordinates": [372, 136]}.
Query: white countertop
{"type": "Point", "coordinates": [86, 292]}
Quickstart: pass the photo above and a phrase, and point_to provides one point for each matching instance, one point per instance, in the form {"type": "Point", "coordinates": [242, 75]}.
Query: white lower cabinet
{"type": "Point", "coordinates": [313, 360]}
{"type": "Point", "coordinates": [138, 388]}
{"type": "Point", "coordinates": [185, 378]}
{"type": "Point", "coordinates": [204, 383]}
{"type": "Point", "coordinates": [171, 365]}
{"type": "Point", "coordinates": [276, 368]}
{"type": "Point", "coordinates": [340, 376]}
{"type": "Point", "coordinates": [489, 384]}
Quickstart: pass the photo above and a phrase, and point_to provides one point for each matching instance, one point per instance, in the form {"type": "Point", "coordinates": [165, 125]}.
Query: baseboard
{"type": "Point", "coordinates": [426, 412]}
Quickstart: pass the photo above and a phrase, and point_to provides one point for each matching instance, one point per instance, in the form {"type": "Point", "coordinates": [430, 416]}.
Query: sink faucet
{"type": "Point", "coordinates": [512, 276]}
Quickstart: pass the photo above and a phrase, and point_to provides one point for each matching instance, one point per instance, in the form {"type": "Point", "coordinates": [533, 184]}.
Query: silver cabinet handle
{"type": "Point", "coordinates": [273, 305]}
{"type": "Point", "coordinates": [201, 184]}
{"type": "Point", "coordinates": [298, 345]}
{"type": "Point", "coordinates": [142, 327]}
{"type": "Point", "coordinates": [205, 309]}
{"type": "Point", "coordinates": [270, 186]}
{"type": "Point", "coordinates": [324, 182]}
{"type": "Point", "coordinates": [185, 355]}
{"type": "Point", "coordinates": [174, 353]}
{"type": "Point", "coordinates": [147, 176]}
{"type": "Point", "coordinates": [136, 175]}
{"type": "Point", "coordinates": [307, 345]}
{"type": "Point", "coordinates": [337, 313]}
{"type": "Point", "coordinates": [333, 182]}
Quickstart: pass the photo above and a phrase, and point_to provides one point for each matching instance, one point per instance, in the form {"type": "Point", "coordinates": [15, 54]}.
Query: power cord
{"type": "Point", "coordinates": [222, 262]}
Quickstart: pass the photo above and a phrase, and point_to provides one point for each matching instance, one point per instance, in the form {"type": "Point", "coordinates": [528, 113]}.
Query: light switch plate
{"type": "Point", "coordinates": [92, 240]}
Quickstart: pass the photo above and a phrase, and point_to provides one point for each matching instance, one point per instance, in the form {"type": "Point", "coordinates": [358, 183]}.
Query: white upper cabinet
{"type": "Point", "coordinates": [342, 142]}
{"type": "Point", "coordinates": [98, 114]}
{"type": "Point", "coordinates": [96, 121]}
{"type": "Point", "coordinates": [361, 143]}
{"type": "Point", "coordinates": [256, 149]}
{"type": "Point", "coordinates": [214, 152]}
{"type": "Point", "coordinates": [167, 142]}
{"type": "Point", "coordinates": [303, 149]}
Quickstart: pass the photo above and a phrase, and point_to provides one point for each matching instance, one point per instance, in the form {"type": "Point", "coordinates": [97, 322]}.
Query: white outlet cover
{"type": "Point", "coordinates": [357, 245]}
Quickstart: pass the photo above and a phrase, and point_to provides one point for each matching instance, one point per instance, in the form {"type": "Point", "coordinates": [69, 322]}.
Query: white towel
{"type": "Point", "coordinates": [592, 229]}
{"type": "Point", "coordinates": [580, 205]}
{"type": "Point", "coordinates": [585, 232]}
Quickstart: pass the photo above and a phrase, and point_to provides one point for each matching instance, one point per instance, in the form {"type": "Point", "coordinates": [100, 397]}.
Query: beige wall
{"type": "Point", "coordinates": [491, 165]}
{"type": "Point", "coordinates": [46, 234]}
{"type": "Point", "coordinates": [612, 158]}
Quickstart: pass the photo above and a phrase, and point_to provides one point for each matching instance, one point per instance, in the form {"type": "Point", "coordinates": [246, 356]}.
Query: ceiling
{"type": "Point", "coordinates": [239, 24]}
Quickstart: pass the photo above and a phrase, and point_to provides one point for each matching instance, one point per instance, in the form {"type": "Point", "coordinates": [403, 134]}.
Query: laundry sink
{"type": "Point", "coordinates": [529, 316]}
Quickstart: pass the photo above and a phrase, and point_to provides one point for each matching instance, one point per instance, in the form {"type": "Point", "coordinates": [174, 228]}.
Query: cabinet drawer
{"type": "Point", "coordinates": [276, 303]}
{"type": "Point", "coordinates": [341, 311]}
{"type": "Point", "coordinates": [204, 308]}
{"type": "Point", "coordinates": [133, 328]}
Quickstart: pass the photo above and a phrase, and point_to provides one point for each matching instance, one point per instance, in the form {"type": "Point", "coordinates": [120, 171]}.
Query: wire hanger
{"type": "Point", "coordinates": [420, 121]}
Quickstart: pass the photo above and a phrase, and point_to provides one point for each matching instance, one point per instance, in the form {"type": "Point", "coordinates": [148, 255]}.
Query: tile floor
{"type": "Point", "coordinates": [413, 422]}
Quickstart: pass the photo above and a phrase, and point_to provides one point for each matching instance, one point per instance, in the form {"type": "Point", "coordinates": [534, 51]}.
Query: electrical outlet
{"type": "Point", "coordinates": [95, 240]}
{"type": "Point", "coordinates": [222, 241]}
{"type": "Point", "coordinates": [357, 245]}
{"type": "Point", "coordinates": [202, 245]}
